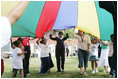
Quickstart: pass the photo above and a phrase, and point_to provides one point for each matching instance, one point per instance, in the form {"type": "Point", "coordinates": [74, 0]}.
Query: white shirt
{"type": "Point", "coordinates": [83, 45]}
{"type": "Point", "coordinates": [94, 50]}
{"type": "Point", "coordinates": [5, 31]}
{"type": "Point", "coordinates": [44, 50]}
{"type": "Point", "coordinates": [110, 54]}
{"type": "Point", "coordinates": [17, 62]}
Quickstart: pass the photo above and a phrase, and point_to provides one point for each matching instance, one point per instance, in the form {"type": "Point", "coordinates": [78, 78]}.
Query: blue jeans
{"type": "Point", "coordinates": [45, 65]}
{"type": "Point", "coordinates": [83, 58]}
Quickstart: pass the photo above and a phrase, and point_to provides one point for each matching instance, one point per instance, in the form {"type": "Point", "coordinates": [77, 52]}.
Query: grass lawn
{"type": "Point", "coordinates": [71, 69]}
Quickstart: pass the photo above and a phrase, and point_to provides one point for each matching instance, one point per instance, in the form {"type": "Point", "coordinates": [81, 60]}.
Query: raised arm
{"type": "Point", "coordinates": [47, 35]}
{"type": "Point", "coordinates": [73, 35]}
{"type": "Point", "coordinates": [67, 36]}
{"type": "Point", "coordinates": [17, 12]}
{"type": "Point", "coordinates": [104, 43]}
{"type": "Point", "coordinates": [52, 37]}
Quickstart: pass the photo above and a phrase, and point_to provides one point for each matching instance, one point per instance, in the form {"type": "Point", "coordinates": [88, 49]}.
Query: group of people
{"type": "Point", "coordinates": [21, 56]}
{"type": "Point", "coordinates": [86, 48]}
{"type": "Point", "coordinates": [87, 51]}
{"type": "Point", "coordinates": [6, 24]}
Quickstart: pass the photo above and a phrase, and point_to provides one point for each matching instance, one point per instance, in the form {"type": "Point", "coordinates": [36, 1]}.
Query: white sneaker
{"type": "Point", "coordinates": [85, 73]}
{"type": "Point", "coordinates": [63, 70]}
{"type": "Point", "coordinates": [28, 74]}
{"type": "Point", "coordinates": [110, 76]}
{"type": "Point", "coordinates": [96, 70]}
{"type": "Point", "coordinates": [93, 71]}
{"type": "Point", "coordinates": [106, 71]}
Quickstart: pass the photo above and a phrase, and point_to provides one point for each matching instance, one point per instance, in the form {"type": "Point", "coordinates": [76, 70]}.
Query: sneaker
{"type": "Point", "coordinates": [96, 70]}
{"type": "Point", "coordinates": [85, 73]}
{"type": "Point", "coordinates": [106, 71]}
{"type": "Point", "coordinates": [63, 70]}
{"type": "Point", "coordinates": [110, 76]}
{"type": "Point", "coordinates": [80, 73]}
{"type": "Point", "coordinates": [93, 71]}
{"type": "Point", "coordinates": [28, 73]}
{"type": "Point", "coordinates": [48, 71]}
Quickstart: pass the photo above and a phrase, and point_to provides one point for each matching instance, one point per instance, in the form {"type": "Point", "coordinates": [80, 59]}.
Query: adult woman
{"type": "Point", "coordinates": [83, 49]}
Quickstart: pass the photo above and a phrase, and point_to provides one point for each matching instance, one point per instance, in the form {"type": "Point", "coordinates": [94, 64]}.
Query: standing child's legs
{"type": "Point", "coordinates": [105, 68]}
{"type": "Point", "coordinates": [92, 65]}
{"type": "Point", "coordinates": [22, 73]}
{"type": "Point", "coordinates": [14, 73]}
{"type": "Point", "coordinates": [96, 65]}
{"type": "Point", "coordinates": [44, 65]}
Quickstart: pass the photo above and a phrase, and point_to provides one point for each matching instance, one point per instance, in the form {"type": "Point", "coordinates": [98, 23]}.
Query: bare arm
{"type": "Point", "coordinates": [17, 12]}
{"type": "Point", "coordinates": [88, 44]}
{"type": "Point", "coordinates": [88, 48]}
{"type": "Point", "coordinates": [67, 36]}
{"type": "Point", "coordinates": [22, 53]}
{"type": "Point", "coordinates": [73, 35]}
{"type": "Point", "coordinates": [104, 43]}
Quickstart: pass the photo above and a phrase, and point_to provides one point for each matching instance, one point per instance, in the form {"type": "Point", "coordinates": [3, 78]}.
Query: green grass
{"type": "Point", "coordinates": [71, 69]}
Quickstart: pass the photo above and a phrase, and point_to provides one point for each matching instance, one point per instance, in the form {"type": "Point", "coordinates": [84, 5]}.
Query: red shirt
{"type": "Point", "coordinates": [26, 41]}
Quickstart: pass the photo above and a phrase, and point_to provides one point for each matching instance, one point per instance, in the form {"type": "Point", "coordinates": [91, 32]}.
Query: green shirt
{"type": "Point", "coordinates": [104, 46]}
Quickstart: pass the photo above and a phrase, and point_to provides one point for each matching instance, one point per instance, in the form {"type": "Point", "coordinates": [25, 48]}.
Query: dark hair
{"type": "Point", "coordinates": [60, 33]}
{"type": "Point", "coordinates": [42, 39]}
{"type": "Point", "coordinates": [111, 35]}
{"type": "Point", "coordinates": [93, 39]}
{"type": "Point", "coordinates": [20, 39]}
{"type": "Point", "coordinates": [80, 30]}
{"type": "Point", "coordinates": [37, 41]}
{"type": "Point", "coordinates": [16, 43]}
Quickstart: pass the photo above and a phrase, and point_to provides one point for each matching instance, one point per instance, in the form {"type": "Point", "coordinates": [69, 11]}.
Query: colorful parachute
{"type": "Point", "coordinates": [41, 16]}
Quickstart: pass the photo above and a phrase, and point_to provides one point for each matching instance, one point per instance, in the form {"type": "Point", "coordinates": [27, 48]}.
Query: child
{"type": "Point", "coordinates": [94, 55]}
{"type": "Point", "coordinates": [46, 36]}
{"type": "Point", "coordinates": [60, 50]}
{"type": "Point", "coordinates": [17, 58]}
{"type": "Point", "coordinates": [44, 55]}
{"type": "Point", "coordinates": [24, 64]}
{"type": "Point", "coordinates": [110, 54]}
{"type": "Point", "coordinates": [103, 61]}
